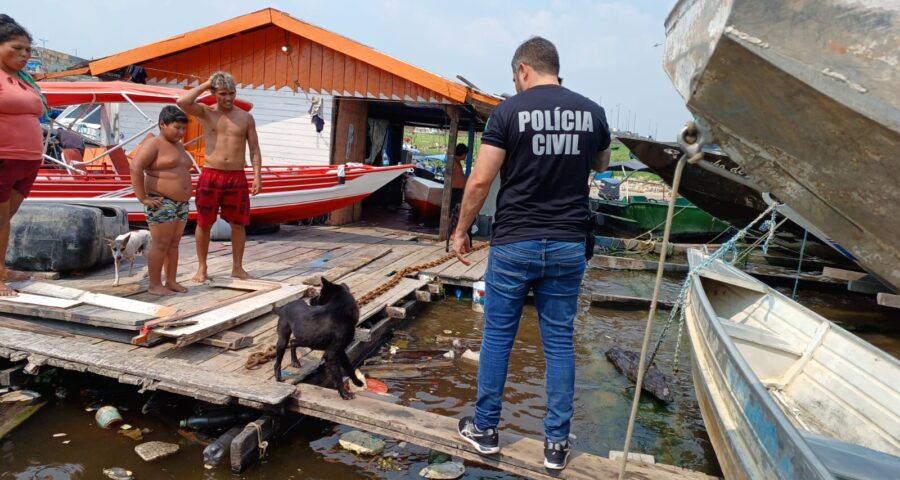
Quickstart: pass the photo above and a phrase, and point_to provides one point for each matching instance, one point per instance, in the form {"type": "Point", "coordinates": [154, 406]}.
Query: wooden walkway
{"type": "Point", "coordinates": [363, 258]}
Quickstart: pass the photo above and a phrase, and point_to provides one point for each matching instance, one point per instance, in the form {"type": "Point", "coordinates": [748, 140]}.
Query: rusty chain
{"type": "Point", "coordinates": [255, 359]}
{"type": "Point", "coordinates": [395, 279]}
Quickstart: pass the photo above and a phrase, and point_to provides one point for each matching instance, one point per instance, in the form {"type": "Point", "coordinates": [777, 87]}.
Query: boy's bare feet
{"type": "Point", "coordinates": [160, 290]}
{"type": "Point", "coordinates": [200, 276]}
{"type": "Point", "coordinates": [238, 272]}
{"type": "Point", "coordinates": [176, 287]}
{"type": "Point", "coordinates": [6, 291]}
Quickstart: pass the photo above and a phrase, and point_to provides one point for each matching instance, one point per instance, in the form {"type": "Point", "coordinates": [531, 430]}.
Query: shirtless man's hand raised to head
{"type": "Point", "coordinates": [228, 131]}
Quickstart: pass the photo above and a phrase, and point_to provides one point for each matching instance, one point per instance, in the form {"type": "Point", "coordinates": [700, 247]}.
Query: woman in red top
{"type": "Point", "coordinates": [21, 138]}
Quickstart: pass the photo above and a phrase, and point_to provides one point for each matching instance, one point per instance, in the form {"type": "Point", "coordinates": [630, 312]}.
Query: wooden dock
{"type": "Point", "coordinates": [210, 365]}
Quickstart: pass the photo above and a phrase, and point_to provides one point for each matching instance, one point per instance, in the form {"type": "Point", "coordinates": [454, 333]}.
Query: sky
{"type": "Point", "coordinates": [610, 51]}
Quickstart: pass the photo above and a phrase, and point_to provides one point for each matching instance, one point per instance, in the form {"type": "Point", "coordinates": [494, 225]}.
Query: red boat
{"type": "Point", "coordinates": [289, 193]}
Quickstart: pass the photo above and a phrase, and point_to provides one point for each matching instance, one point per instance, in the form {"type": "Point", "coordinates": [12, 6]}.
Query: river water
{"type": "Point", "coordinates": [673, 433]}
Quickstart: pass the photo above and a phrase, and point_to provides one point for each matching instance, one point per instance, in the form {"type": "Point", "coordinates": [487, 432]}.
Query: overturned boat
{"type": "Point", "coordinates": [785, 393]}
{"type": "Point", "coordinates": [803, 96]}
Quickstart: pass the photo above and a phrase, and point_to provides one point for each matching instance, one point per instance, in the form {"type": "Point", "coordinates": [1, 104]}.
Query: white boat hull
{"type": "Point", "coordinates": [769, 374]}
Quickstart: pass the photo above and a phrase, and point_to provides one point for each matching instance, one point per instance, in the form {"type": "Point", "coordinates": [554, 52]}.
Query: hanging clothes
{"type": "Point", "coordinates": [315, 110]}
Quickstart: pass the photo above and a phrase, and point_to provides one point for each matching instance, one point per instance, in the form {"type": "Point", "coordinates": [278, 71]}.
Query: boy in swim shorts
{"type": "Point", "coordinates": [229, 133]}
{"type": "Point", "coordinates": [160, 174]}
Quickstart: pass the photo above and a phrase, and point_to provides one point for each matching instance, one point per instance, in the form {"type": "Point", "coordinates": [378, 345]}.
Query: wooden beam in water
{"type": "Point", "coordinates": [608, 300]}
{"type": "Point", "coordinates": [625, 263]}
{"type": "Point", "coordinates": [888, 300]}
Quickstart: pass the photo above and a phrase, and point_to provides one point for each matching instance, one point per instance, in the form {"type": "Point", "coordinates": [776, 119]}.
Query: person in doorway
{"type": "Point", "coordinates": [161, 177]}
{"type": "Point", "coordinates": [21, 136]}
{"type": "Point", "coordinates": [458, 177]}
{"type": "Point", "coordinates": [228, 131]}
{"type": "Point", "coordinates": [544, 141]}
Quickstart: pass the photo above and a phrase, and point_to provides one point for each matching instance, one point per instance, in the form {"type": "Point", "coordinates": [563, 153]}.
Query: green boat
{"type": "Point", "coordinates": [638, 214]}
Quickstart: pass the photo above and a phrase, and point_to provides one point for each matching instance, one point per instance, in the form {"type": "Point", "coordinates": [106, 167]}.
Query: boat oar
{"type": "Point", "coordinates": [692, 154]}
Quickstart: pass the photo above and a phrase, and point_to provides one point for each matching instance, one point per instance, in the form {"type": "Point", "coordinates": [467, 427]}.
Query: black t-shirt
{"type": "Point", "coordinates": [551, 136]}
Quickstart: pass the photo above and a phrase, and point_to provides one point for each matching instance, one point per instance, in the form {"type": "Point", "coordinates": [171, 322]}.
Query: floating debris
{"type": "Point", "coordinates": [435, 456]}
{"type": "Point", "coordinates": [361, 443]}
{"type": "Point", "coordinates": [20, 396]}
{"type": "Point", "coordinates": [57, 435]}
{"type": "Point", "coordinates": [118, 473]}
{"type": "Point", "coordinates": [443, 471]}
{"type": "Point", "coordinates": [471, 356]}
{"type": "Point", "coordinates": [108, 417]}
{"type": "Point", "coordinates": [216, 451]}
{"type": "Point", "coordinates": [627, 361]}
{"type": "Point", "coordinates": [134, 434]}
{"type": "Point", "coordinates": [151, 451]}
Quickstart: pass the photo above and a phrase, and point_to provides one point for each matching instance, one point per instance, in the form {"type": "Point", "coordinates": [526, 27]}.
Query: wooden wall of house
{"type": "Point", "coordinates": [283, 122]}
{"type": "Point", "coordinates": [349, 112]}
{"type": "Point", "coordinates": [256, 60]}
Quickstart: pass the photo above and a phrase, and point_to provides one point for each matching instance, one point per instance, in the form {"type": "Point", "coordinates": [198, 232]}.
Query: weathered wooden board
{"type": "Point", "coordinates": [888, 300]}
{"type": "Point", "coordinates": [223, 318]}
{"type": "Point", "coordinates": [113, 359]}
{"type": "Point", "coordinates": [98, 299]}
{"type": "Point", "coordinates": [519, 455]}
{"type": "Point", "coordinates": [363, 258]}
{"type": "Point", "coordinates": [839, 274]}
{"type": "Point", "coordinates": [41, 300]}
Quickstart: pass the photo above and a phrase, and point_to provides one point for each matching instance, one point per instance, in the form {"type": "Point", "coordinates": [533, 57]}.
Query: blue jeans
{"type": "Point", "coordinates": [554, 270]}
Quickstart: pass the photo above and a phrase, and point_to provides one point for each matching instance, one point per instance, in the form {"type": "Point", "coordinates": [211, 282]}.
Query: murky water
{"type": "Point", "coordinates": [673, 433]}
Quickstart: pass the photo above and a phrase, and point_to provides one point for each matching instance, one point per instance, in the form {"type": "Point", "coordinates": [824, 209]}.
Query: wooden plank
{"type": "Point", "coordinates": [226, 317]}
{"type": "Point", "coordinates": [245, 446]}
{"type": "Point", "coordinates": [96, 318]}
{"type": "Point", "coordinates": [13, 414]}
{"type": "Point", "coordinates": [839, 274]}
{"type": "Point", "coordinates": [41, 300]}
{"type": "Point", "coordinates": [111, 360]}
{"type": "Point", "coordinates": [365, 257]}
{"type": "Point", "coordinates": [99, 299]}
{"type": "Point", "coordinates": [625, 263]}
{"type": "Point", "coordinates": [228, 340]}
{"type": "Point", "coordinates": [866, 285]}
{"type": "Point", "coordinates": [888, 300]}
{"type": "Point", "coordinates": [519, 455]}
{"type": "Point", "coordinates": [609, 300]}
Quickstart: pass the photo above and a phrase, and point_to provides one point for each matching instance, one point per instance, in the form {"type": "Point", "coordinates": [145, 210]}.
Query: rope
{"type": "Point", "coordinates": [262, 444]}
{"type": "Point", "coordinates": [678, 309]}
{"type": "Point", "coordinates": [690, 139]}
{"type": "Point", "coordinates": [799, 264]}
{"type": "Point", "coordinates": [770, 226]}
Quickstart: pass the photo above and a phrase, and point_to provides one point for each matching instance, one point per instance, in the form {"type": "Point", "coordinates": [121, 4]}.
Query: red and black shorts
{"type": "Point", "coordinates": [18, 175]}
{"type": "Point", "coordinates": [225, 190]}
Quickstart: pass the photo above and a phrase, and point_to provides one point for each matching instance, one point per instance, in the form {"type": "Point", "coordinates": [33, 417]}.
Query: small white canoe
{"type": "Point", "coordinates": [784, 392]}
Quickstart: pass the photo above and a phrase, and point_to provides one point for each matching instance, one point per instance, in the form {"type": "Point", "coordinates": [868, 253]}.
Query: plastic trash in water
{"type": "Point", "coordinates": [108, 417]}
{"type": "Point", "coordinates": [478, 289]}
{"type": "Point", "coordinates": [216, 451]}
{"type": "Point", "coordinates": [211, 422]}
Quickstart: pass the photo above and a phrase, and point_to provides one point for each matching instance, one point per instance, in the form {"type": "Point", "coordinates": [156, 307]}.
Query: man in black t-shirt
{"type": "Point", "coordinates": [544, 141]}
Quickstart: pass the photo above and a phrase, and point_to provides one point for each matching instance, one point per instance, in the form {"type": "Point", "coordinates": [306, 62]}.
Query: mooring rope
{"type": "Point", "coordinates": [691, 143]}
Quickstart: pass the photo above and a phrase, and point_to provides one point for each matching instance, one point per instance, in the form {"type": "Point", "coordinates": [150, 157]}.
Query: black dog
{"type": "Point", "coordinates": [326, 323]}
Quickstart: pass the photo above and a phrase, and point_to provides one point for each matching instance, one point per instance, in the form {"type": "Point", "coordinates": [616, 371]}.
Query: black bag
{"type": "Point", "coordinates": [589, 235]}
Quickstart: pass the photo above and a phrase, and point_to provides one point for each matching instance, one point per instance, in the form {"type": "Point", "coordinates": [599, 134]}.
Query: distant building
{"type": "Point", "coordinates": [45, 60]}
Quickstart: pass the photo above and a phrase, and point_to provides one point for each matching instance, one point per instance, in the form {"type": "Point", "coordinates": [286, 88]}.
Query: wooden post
{"type": "Point", "coordinates": [471, 154]}
{"type": "Point", "coordinates": [245, 446]}
{"type": "Point", "coordinates": [349, 147]}
{"type": "Point", "coordinates": [453, 111]}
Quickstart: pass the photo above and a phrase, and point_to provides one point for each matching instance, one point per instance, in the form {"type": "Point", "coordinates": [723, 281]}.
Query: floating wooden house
{"type": "Point", "coordinates": [287, 67]}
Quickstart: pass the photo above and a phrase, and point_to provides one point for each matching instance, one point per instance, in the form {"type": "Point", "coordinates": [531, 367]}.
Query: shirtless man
{"type": "Point", "coordinates": [161, 177]}
{"type": "Point", "coordinates": [223, 184]}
